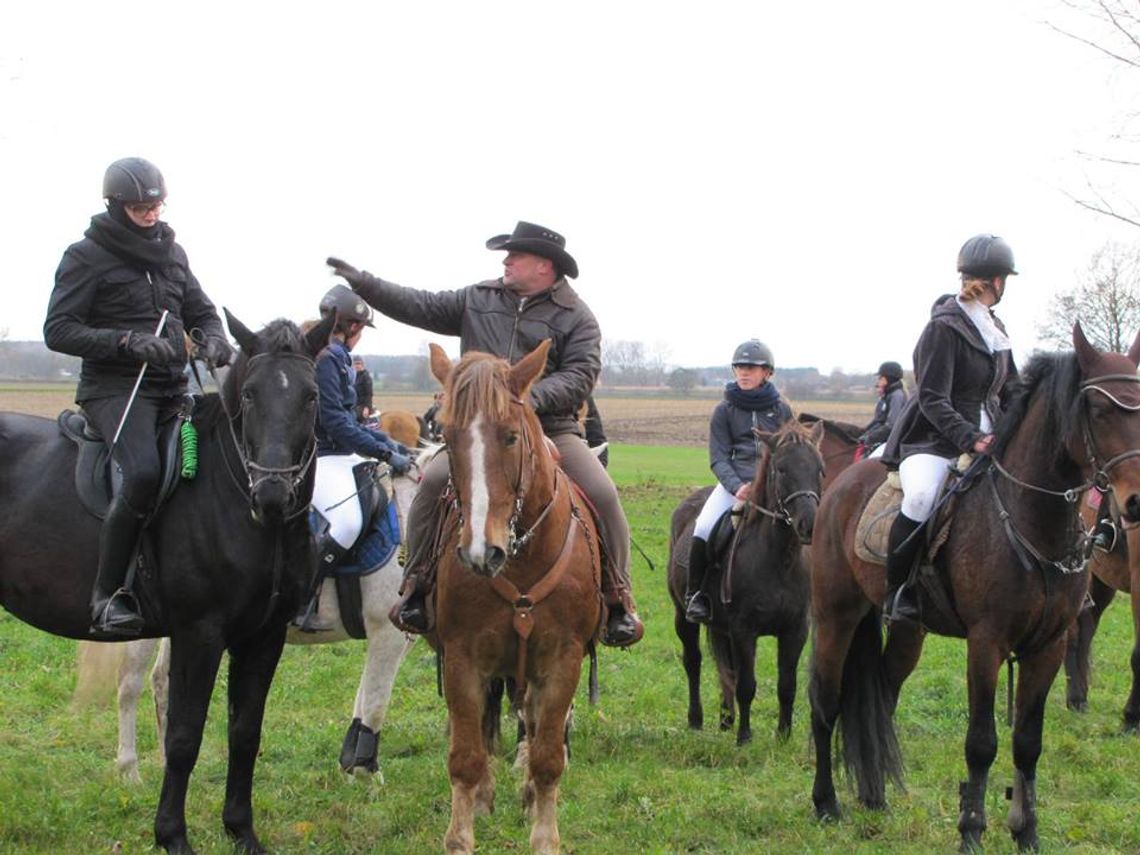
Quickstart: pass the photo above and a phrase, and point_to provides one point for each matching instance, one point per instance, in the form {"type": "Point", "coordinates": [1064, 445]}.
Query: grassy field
{"type": "Point", "coordinates": [639, 782]}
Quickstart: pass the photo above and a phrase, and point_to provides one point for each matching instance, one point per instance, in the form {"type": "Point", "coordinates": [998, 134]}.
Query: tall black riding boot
{"type": "Point", "coordinates": [901, 602]}
{"type": "Point", "coordinates": [698, 608]}
{"type": "Point", "coordinates": [113, 607]}
{"type": "Point", "coordinates": [329, 554]}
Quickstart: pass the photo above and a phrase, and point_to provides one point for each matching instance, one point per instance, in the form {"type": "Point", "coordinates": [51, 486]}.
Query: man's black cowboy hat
{"type": "Point", "coordinates": [539, 240]}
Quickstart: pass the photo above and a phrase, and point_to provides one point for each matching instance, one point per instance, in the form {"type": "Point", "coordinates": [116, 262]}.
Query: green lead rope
{"type": "Point", "coordinates": [189, 436]}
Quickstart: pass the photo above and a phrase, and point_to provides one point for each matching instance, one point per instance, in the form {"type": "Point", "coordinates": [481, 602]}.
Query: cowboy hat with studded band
{"type": "Point", "coordinates": [541, 241]}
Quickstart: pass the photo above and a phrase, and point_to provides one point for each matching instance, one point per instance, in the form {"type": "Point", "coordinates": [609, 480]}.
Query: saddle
{"type": "Point", "coordinates": [97, 480]}
{"type": "Point", "coordinates": [872, 533]}
{"type": "Point", "coordinates": [378, 539]}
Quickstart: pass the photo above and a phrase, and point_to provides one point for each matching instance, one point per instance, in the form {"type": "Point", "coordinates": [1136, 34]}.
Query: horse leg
{"type": "Point", "coordinates": [744, 657]}
{"type": "Point", "coordinates": [467, 762]}
{"type": "Point", "coordinates": [1034, 679]}
{"type": "Point", "coordinates": [194, 664]}
{"type": "Point", "coordinates": [552, 706]}
{"type": "Point", "coordinates": [1079, 647]}
{"type": "Point", "coordinates": [132, 666]}
{"type": "Point", "coordinates": [900, 657]}
{"type": "Point", "coordinates": [160, 690]}
{"type": "Point", "coordinates": [387, 647]}
{"type": "Point", "coordinates": [1132, 707]}
{"type": "Point", "coordinates": [727, 676]}
{"type": "Point", "coordinates": [789, 648]}
{"type": "Point", "coordinates": [829, 651]}
{"type": "Point", "coordinates": [690, 636]}
{"type": "Point", "coordinates": [253, 662]}
{"type": "Point", "coordinates": [983, 661]}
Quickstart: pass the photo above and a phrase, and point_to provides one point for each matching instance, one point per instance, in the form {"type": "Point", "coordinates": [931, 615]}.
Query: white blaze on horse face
{"type": "Point", "coordinates": [480, 498]}
{"type": "Point", "coordinates": [284, 380]}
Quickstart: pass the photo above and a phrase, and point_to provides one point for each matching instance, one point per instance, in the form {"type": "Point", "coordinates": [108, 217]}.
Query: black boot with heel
{"type": "Point", "coordinates": [698, 608]}
{"type": "Point", "coordinates": [901, 601]}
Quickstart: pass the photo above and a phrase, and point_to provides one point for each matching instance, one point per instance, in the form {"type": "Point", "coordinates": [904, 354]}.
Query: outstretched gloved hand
{"type": "Point", "coordinates": [350, 274]}
{"type": "Point", "coordinates": [400, 463]}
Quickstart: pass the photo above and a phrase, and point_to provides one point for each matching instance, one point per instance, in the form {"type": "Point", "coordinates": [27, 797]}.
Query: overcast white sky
{"type": "Point", "coordinates": [803, 172]}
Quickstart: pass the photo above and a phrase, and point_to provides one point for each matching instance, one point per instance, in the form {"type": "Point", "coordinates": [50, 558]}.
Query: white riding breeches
{"type": "Point", "coordinates": [334, 496]}
{"type": "Point", "coordinates": [719, 501]}
{"type": "Point", "coordinates": [922, 476]}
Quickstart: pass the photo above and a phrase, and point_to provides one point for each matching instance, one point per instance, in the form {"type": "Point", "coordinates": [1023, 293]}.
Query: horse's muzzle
{"type": "Point", "coordinates": [489, 563]}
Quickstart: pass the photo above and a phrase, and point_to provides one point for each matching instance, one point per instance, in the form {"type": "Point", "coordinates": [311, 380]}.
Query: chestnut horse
{"type": "Point", "coordinates": [837, 447]}
{"type": "Point", "coordinates": [1118, 570]}
{"type": "Point", "coordinates": [1012, 568]}
{"type": "Point", "coordinates": [519, 586]}
{"type": "Point", "coordinates": [768, 579]}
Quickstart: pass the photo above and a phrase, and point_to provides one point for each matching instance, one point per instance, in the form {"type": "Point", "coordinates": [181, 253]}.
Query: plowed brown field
{"type": "Point", "coordinates": [635, 420]}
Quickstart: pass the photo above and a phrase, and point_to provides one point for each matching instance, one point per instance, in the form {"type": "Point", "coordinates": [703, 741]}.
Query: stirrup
{"type": "Point", "coordinates": [902, 606]}
{"type": "Point", "coordinates": [1106, 535]}
{"type": "Point", "coordinates": [699, 608]}
{"type": "Point", "coordinates": [308, 620]}
{"type": "Point", "coordinates": [119, 615]}
{"type": "Point", "coordinates": [623, 628]}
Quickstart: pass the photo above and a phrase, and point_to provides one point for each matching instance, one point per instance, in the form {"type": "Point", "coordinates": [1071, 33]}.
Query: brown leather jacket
{"type": "Point", "coordinates": [490, 318]}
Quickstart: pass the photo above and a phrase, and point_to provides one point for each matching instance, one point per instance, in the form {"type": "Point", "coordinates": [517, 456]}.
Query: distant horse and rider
{"type": "Point", "coordinates": [761, 582]}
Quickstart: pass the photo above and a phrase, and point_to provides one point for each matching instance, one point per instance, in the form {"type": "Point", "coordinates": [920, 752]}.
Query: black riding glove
{"type": "Point", "coordinates": [217, 351]}
{"type": "Point", "coordinates": [149, 348]}
{"type": "Point", "coordinates": [350, 274]}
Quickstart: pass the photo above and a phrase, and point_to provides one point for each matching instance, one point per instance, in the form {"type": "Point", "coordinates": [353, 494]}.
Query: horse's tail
{"type": "Point", "coordinates": [865, 725]}
{"type": "Point", "coordinates": [721, 646]}
{"type": "Point", "coordinates": [97, 673]}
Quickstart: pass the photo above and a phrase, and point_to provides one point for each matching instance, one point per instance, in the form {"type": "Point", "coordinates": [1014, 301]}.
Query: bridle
{"type": "Point", "coordinates": [293, 477]}
{"type": "Point", "coordinates": [781, 514]}
{"type": "Point", "coordinates": [1078, 559]}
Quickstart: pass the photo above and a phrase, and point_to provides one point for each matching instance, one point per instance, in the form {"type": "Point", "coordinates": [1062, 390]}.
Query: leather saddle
{"type": "Point", "coordinates": [97, 479]}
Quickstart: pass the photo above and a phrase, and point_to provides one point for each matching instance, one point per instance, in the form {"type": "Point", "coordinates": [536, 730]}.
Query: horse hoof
{"type": "Point", "coordinates": [971, 844]}
{"type": "Point", "coordinates": [1078, 706]}
{"type": "Point", "coordinates": [743, 738]}
{"type": "Point", "coordinates": [828, 812]}
{"type": "Point", "coordinates": [1027, 842]}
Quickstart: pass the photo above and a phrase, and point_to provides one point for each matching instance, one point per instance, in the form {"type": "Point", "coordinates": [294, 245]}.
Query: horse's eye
{"type": "Point", "coordinates": [511, 439]}
{"type": "Point", "coordinates": [246, 396]}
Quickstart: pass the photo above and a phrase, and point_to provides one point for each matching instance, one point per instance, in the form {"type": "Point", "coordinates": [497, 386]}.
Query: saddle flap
{"type": "Point", "coordinates": [872, 533]}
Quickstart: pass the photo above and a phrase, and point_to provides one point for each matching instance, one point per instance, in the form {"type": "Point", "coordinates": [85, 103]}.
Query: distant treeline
{"type": "Point", "coordinates": [31, 360]}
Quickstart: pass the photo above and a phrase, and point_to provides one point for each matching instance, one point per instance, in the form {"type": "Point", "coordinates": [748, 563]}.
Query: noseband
{"type": "Point", "coordinates": [293, 477]}
{"type": "Point", "coordinates": [781, 514]}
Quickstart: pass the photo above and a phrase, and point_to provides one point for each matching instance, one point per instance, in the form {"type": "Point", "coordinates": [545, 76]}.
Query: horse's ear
{"type": "Point", "coordinates": [526, 370]}
{"type": "Point", "coordinates": [440, 364]}
{"type": "Point", "coordinates": [1134, 351]}
{"type": "Point", "coordinates": [765, 436]}
{"type": "Point", "coordinates": [246, 339]}
{"type": "Point", "coordinates": [317, 338]}
{"type": "Point", "coordinates": [1086, 353]}
{"type": "Point", "coordinates": [816, 433]}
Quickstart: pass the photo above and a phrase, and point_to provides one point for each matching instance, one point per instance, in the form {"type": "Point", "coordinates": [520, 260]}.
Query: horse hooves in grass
{"type": "Point", "coordinates": [828, 811]}
{"type": "Point", "coordinates": [696, 722]}
{"type": "Point", "coordinates": [743, 738]}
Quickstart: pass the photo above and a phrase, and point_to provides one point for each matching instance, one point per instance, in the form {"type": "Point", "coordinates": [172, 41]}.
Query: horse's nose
{"type": "Point", "coordinates": [1132, 508]}
{"type": "Point", "coordinates": [496, 559]}
{"type": "Point", "coordinates": [805, 525]}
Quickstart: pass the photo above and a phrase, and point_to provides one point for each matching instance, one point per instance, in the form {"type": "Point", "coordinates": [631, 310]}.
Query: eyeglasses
{"type": "Point", "coordinates": [141, 209]}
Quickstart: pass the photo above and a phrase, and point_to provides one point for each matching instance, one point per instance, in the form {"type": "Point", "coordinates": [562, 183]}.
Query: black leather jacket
{"type": "Point", "coordinates": [490, 318]}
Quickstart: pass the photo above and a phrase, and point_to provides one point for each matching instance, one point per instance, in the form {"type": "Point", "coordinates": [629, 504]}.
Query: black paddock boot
{"type": "Point", "coordinates": [698, 608]}
{"type": "Point", "coordinates": [114, 610]}
{"type": "Point", "coordinates": [1105, 535]}
{"type": "Point", "coordinates": [413, 612]}
{"type": "Point", "coordinates": [329, 554]}
{"type": "Point", "coordinates": [901, 601]}
{"type": "Point", "coordinates": [623, 626]}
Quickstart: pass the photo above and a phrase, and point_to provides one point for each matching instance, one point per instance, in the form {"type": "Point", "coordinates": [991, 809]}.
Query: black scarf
{"type": "Point", "coordinates": [762, 398]}
{"type": "Point", "coordinates": [138, 247]}
{"type": "Point", "coordinates": [894, 384]}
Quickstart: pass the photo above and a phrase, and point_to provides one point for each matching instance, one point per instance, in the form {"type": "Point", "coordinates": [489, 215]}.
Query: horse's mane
{"type": "Point", "coordinates": [477, 385]}
{"type": "Point", "coordinates": [1057, 376]}
{"type": "Point", "coordinates": [793, 431]}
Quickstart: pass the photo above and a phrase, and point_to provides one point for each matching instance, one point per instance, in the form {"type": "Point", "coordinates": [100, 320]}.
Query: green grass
{"type": "Point", "coordinates": [639, 781]}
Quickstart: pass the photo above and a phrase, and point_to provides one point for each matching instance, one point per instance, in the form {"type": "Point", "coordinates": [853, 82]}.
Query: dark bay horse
{"type": "Point", "coordinates": [519, 587]}
{"type": "Point", "coordinates": [1013, 571]}
{"type": "Point", "coordinates": [767, 576]}
{"type": "Point", "coordinates": [232, 550]}
{"type": "Point", "coordinates": [1118, 570]}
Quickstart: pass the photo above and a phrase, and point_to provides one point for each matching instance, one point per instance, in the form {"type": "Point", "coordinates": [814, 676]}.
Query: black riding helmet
{"type": "Point", "coordinates": [341, 300]}
{"type": "Point", "coordinates": [132, 180]}
{"type": "Point", "coordinates": [753, 352]}
{"type": "Point", "coordinates": [986, 256]}
{"type": "Point", "coordinates": [891, 370]}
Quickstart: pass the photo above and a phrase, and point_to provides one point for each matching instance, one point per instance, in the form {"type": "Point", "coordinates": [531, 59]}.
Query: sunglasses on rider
{"type": "Point", "coordinates": [141, 209]}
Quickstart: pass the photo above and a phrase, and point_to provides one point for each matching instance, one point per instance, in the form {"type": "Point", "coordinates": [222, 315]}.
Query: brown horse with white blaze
{"type": "Point", "coordinates": [519, 586]}
{"type": "Point", "coordinates": [1012, 567]}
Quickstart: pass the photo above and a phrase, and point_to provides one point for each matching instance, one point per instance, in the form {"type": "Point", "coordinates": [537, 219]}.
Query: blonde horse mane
{"type": "Point", "coordinates": [478, 385]}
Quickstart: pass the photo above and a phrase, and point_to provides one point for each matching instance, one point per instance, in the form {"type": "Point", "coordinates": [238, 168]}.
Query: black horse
{"type": "Point", "coordinates": [765, 578]}
{"type": "Point", "coordinates": [231, 551]}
